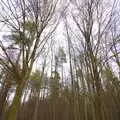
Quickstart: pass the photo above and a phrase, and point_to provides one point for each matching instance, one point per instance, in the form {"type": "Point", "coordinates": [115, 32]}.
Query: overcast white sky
{"type": "Point", "coordinates": [59, 34]}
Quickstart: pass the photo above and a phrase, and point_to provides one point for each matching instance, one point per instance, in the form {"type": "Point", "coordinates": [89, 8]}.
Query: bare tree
{"type": "Point", "coordinates": [93, 21]}
{"type": "Point", "coordinates": [27, 20]}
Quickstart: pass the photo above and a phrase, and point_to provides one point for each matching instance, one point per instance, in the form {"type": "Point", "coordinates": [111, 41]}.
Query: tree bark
{"type": "Point", "coordinates": [12, 112]}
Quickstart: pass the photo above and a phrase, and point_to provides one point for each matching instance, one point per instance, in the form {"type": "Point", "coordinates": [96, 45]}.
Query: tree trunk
{"type": "Point", "coordinates": [12, 112]}
{"type": "Point", "coordinates": [3, 96]}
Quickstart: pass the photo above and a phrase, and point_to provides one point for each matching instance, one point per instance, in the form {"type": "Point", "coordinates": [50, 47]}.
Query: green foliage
{"type": "Point", "coordinates": [19, 38]}
{"type": "Point", "coordinates": [25, 37]}
{"type": "Point", "coordinates": [61, 55]}
{"type": "Point", "coordinates": [108, 73]}
{"type": "Point", "coordinates": [54, 85]}
{"type": "Point", "coordinates": [30, 26]}
{"type": "Point", "coordinates": [36, 76]}
{"type": "Point", "coordinates": [35, 79]}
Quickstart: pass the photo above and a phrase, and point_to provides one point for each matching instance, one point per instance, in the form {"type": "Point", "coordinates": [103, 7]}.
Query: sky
{"type": "Point", "coordinates": [60, 37]}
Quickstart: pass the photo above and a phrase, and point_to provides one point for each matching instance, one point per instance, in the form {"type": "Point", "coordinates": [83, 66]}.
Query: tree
{"type": "Point", "coordinates": [88, 14]}
{"type": "Point", "coordinates": [27, 20]}
{"type": "Point", "coordinates": [54, 85]}
{"type": "Point", "coordinates": [6, 80]}
{"type": "Point", "coordinates": [36, 83]}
